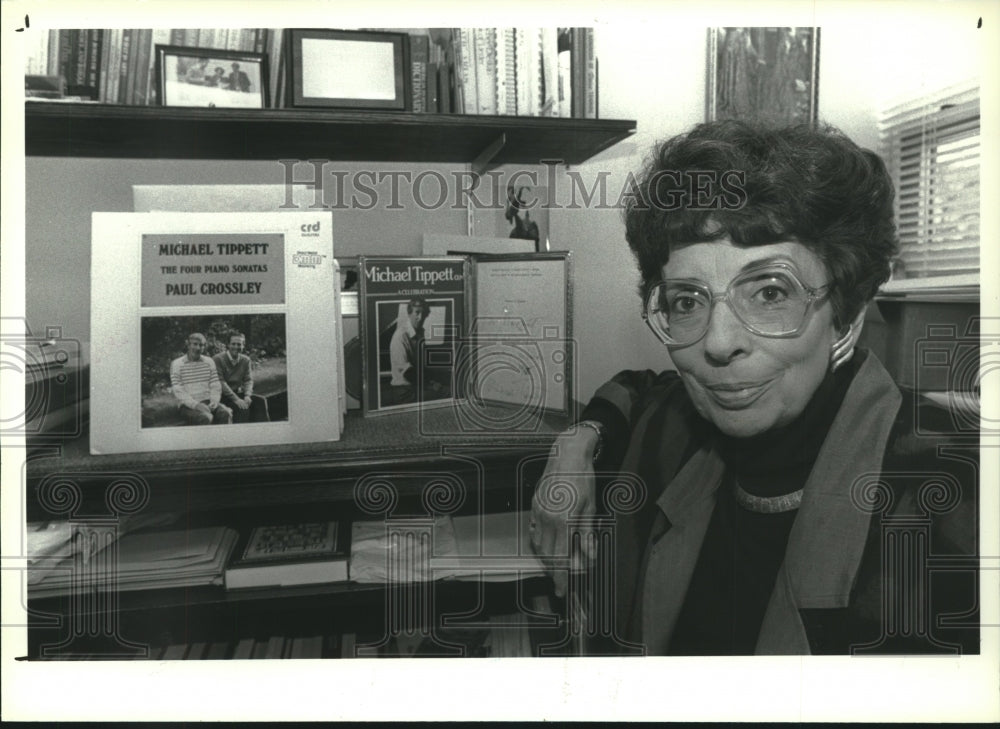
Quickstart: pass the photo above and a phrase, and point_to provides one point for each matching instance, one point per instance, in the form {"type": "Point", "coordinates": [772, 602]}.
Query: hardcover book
{"type": "Point", "coordinates": [201, 320]}
{"type": "Point", "coordinates": [413, 322]}
{"type": "Point", "coordinates": [293, 554]}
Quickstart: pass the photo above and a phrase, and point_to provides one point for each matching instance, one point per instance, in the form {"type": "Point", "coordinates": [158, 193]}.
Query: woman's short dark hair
{"type": "Point", "coordinates": [757, 184]}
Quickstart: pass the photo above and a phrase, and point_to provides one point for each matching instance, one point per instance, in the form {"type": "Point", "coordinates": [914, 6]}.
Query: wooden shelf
{"type": "Point", "coordinates": [103, 130]}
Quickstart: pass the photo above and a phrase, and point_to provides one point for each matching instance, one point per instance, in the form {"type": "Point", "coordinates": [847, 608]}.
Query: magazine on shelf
{"type": "Point", "coordinates": [413, 322]}
{"type": "Point", "coordinates": [213, 329]}
{"type": "Point", "coordinates": [293, 554]}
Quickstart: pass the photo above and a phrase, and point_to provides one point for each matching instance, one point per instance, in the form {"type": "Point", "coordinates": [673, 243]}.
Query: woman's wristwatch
{"type": "Point", "coordinates": [597, 428]}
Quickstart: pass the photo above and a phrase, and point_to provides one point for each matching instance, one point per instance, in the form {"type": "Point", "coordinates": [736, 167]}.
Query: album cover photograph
{"type": "Point", "coordinates": [413, 321]}
{"type": "Point", "coordinates": [213, 319]}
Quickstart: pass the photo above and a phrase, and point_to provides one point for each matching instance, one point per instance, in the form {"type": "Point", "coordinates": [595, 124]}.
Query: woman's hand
{"type": "Point", "coordinates": [566, 489]}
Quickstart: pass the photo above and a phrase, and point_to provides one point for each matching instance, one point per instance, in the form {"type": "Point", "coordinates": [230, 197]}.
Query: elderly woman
{"type": "Point", "coordinates": [761, 466]}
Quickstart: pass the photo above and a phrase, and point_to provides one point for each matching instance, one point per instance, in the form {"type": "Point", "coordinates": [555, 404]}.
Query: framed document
{"type": "Point", "coordinates": [213, 329]}
{"type": "Point", "coordinates": [348, 69]}
{"type": "Point", "coordinates": [413, 322]}
{"type": "Point", "coordinates": [522, 333]}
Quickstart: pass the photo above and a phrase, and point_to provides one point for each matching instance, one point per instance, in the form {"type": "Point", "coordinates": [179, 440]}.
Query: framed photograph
{"type": "Point", "coordinates": [212, 330]}
{"type": "Point", "coordinates": [413, 322]}
{"type": "Point", "coordinates": [522, 333]}
{"type": "Point", "coordinates": [347, 69]}
{"type": "Point", "coordinates": [211, 77]}
{"type": "Point", "coordinates": [768, 74]}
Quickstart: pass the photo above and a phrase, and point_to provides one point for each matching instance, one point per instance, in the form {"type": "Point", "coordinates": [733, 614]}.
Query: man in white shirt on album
{"type": "Point", "coordinates": [403, 352]}
{"type": "Point", "coordinates": [195, 383]}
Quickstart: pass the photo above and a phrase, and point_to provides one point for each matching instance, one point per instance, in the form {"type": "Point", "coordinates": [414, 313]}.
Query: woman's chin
{"type": "Point", "coordinates": [739, 423]}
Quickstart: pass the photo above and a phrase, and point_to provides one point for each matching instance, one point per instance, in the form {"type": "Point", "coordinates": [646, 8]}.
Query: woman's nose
{"type": "Point", "coordinates": [726, 337]}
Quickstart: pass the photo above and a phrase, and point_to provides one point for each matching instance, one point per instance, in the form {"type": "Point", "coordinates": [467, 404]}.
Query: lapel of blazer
{"type": "Point", "coordinates": [829, 534]}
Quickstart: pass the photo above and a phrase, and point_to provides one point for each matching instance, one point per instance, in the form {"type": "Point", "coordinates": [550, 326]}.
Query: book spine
{"type": "Point", "coordinates": [433, 72]}
{"type": "Point", "coordinates": [550, 72]}
{"type": "Point", "coordinates": [177, 36]}
{"type": "Point", "coordinates": [419, 59]}
{"type": "Point", "coordinates": [521, 71]}
{"type": "Point", "coordinates": [465, 60]}
{"type": "Point", "coordinates": [53, 54]}
{"type": "Point", "coordinates": [246, 39]}
{"type": "Point", "coordinates": [590, 75]}
{"type": "Point", "coordinates": [123, 67]}
{"type": "Point", "coordinates": [80, 69]}
{"type": "Point", "coordinates": [260, 40]}
{"type": "Point", "coordinates": [445, 84]}
{"type": "Point", "coordinates": [274, 51]}
{"type": "Point", "coordinates": [133, 66]}
{"type": "Point", "coordinates": [535, 79]}
{"type": "Point", "coordinates": [142, 65]}
{"type": "Point", "coordinates": [94, 50]}
{"type": "Point", "coordinates": [501, 71]}
{"type": "Point", "coordinates": [191, 36]}
{"type": "Point", "coordinates": [62, 64]}
{"type": "Point", "coordinates": [486, 71]}
{"type": "Point", "coordinates": [114, 61]}
{"type": "Point", "coordinates": [567, 99]}
{"type": "Point", "coordinates": [510, 71]}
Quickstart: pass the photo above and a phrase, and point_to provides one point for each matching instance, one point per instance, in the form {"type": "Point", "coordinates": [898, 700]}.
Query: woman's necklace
{"type": "Point", "coordinates": [768, 504]}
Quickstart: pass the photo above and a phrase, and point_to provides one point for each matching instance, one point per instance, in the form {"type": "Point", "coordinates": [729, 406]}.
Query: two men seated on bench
{"type": "Point", "coordinates": [216, 390]}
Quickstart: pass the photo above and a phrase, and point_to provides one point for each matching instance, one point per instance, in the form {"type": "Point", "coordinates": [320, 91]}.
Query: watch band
{"type": "Point", "coordinates": [597, 428]}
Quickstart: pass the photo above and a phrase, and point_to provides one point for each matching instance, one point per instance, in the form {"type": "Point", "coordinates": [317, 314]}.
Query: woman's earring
{"type": "Point", "coordinates": [842, 350]}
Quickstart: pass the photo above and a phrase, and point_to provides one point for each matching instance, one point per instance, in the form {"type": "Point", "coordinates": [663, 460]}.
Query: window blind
{"type": "Point", "coordinates": [931, 147]}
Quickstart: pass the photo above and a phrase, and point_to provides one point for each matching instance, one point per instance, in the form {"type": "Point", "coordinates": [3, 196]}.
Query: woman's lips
{"type": "Point", "coordinates": [736, 395]}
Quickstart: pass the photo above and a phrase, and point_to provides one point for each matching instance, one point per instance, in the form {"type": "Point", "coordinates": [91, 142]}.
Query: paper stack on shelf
{"type": "Point", "coordinates": [489, 547]}
{"type": "Point", "coordinates": [149, 560]}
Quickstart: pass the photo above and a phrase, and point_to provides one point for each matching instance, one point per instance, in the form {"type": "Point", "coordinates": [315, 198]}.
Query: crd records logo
{"type": "Point", "coordinates": [310, 230]}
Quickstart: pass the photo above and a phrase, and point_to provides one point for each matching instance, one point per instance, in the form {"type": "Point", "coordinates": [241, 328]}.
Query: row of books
{"type": "Point", "coordinates": [285, 555]}
{"type": "Point", "coordinates": [116, 66]}
{"type": "Point", "coordinates": [505, 636]}
{"type": "Point", "coordinates": [507, 71]}
{"type": "Point", "coordinates": [496, 71]}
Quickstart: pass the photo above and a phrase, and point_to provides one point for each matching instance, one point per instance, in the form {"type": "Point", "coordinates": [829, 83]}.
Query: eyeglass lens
{"type": "Point", "coordinates": [770, 302]}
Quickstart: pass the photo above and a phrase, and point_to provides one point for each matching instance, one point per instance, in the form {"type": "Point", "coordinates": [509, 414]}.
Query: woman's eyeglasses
{"type": "Point", "coordinates": [770, 301]}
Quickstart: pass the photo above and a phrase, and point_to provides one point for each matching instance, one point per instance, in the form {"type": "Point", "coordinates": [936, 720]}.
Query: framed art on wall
{"type": "Point", "coordinates": [765, 74]}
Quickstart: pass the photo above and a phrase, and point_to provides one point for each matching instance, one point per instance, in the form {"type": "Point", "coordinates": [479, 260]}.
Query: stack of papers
{"type": "Point", "coordinates": [490, 547]}
{"type": "Point", "coordinates": [182, 558]}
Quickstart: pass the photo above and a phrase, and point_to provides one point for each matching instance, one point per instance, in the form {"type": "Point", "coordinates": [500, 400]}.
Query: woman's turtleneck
{"type": "Point", "coordinates": [743, 550]}
{"type": "Point", "coordinates": [779, 461]}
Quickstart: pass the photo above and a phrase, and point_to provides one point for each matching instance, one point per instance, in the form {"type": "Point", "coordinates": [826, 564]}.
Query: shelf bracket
{"type": "Point", "coordinates": [483, 161]}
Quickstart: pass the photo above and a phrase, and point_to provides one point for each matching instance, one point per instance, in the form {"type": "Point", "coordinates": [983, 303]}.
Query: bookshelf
{"type": "Point", "coordinates": [102, 130]}
{"type": "Point", "coordinates": [239, 487]}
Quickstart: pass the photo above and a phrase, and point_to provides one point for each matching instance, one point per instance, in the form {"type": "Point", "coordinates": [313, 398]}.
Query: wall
{"type": "Point", "coordinates": [652, 69]}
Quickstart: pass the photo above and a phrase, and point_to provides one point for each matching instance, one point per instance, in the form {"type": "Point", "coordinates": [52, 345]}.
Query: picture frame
{"type": "Point", "coordinates": [211, 77]}
{"type": "Point", "coordinates": [159, 279]}
{"type": "Point", "coordinates": [768, 74]}
{"type": "Point", "coordinates": [375, 62]}
{"type": "Point", "coordinates": [522, 334]}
